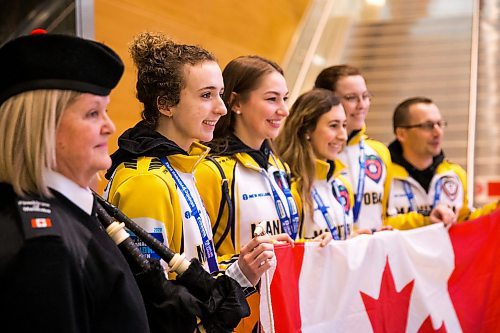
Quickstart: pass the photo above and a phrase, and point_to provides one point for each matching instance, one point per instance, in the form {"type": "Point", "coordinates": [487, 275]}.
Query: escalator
{"type": "Point", "coordinates": [446, 50]}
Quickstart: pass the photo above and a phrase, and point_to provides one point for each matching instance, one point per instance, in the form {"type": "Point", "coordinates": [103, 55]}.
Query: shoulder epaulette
{"type": "Point", "coordinates": [37, 218]}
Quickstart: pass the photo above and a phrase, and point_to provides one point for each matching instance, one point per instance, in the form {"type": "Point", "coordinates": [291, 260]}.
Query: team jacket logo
{"type": "Point", "coordinates": [450, 187]}
{"type": "Point", "coordinates": [272, 227]}
{"type": "Point", "coordinates": [340, 229]}
{"type": "Point", "coordinates": [248, 196]}
{"type": "Point", "coordinates": [144, 248]}
{"type": "Point", "coordinates": [421, 209]}
{"type": "Point", "coordinates": [344, 198]}
{"type": "Point", "coordinates": [373, 168]}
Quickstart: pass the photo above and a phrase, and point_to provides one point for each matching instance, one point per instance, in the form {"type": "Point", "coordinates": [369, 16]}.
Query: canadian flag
{"type": "Point", "coordinates": [40, 223]}
{"type": "Point", "coordinates": [423, 280]}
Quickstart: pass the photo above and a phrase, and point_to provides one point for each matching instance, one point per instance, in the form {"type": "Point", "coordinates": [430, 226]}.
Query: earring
{"type": "Point", "coordinates": [308, 137]}
{"type": "Point", "coordinates": [237, 112]}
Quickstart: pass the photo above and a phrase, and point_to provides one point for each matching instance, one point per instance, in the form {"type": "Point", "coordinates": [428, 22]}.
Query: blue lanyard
{"type": "Point", "coordinates": [326, 215]}
{"type": "Point", "coordinates": [361, 181]}
{"type": "Point", "coordinates": [437, 192]}
{"type": "Point", "coordinates": [195, 212]}
{"type": "Point", "coordinates": [411, 196]}
{"type": "Point", "coordinates": [289, 224]}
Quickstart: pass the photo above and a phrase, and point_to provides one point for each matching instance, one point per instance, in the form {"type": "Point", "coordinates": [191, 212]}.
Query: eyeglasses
{"type": "Point", "coordinates": [354, 99]}
{"type": "Point", "coordinates": [428, 125]}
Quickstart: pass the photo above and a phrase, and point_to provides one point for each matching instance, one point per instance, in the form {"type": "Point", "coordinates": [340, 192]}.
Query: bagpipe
{"type": "Point", "coordinates": [175, 305]}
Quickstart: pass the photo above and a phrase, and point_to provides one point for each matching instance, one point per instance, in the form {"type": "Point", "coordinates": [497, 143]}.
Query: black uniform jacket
{"type": "Point", "coordinates": [63, 273]}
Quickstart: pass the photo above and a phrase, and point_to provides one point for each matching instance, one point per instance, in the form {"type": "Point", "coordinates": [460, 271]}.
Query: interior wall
{"type": "Point", "coordinates": [227, 28]}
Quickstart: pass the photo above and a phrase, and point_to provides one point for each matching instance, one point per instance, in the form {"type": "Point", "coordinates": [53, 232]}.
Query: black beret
{"type": "Point", "coordinates": [52, 61]}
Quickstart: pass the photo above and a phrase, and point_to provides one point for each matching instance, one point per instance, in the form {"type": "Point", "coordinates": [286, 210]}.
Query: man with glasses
{"type": "Point", "coordinates": [422, 178]}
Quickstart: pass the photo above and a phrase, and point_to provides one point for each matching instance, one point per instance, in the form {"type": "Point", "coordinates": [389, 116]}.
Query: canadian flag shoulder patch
{"type": "Point", "coordinates": [41, 223]}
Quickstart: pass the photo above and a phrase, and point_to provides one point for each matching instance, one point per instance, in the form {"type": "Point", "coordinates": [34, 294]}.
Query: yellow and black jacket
{"type": "Point", "coordinates": [444, 180]}
{"type": "Point", "coordinates": [326, 174]}
{"type": "Point", "coordinates": [248, 173]}
{"type": "Point", "coordinates": [141, 187]}
{"type": "Point", "coordinates": [378, 175]}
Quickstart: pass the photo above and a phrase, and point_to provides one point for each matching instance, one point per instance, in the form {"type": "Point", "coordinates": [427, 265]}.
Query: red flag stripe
{"type": "Point", "coordinates": [286, 297]}
{"type": "Point", "coordinates": [475, 283]}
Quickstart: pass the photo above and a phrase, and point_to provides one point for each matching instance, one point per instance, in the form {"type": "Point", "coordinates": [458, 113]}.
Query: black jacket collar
{"type": "Point", "coordinates": [141, 140]}
{"type": "Point", "coordinates": [232, 145]}
{"type": "Point", "coordinates": [423, 177]}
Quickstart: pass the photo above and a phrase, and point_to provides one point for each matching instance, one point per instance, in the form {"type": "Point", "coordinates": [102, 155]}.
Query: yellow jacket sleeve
{"type": "Point", "coordinates": [483, 210]}
{"type": "Point", "coordinates": [147, 197]}
{"type": "Point", "coordinates": [407, 221]}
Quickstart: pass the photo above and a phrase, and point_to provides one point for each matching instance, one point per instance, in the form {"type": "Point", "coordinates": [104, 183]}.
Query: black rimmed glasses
{"type": "Point", "coordinates": [428, 125]}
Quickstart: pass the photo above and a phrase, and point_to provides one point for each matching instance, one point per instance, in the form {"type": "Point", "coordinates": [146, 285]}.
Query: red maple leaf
{"type": "Point", "coordinates": [427, 327]}
{"type": "Point", "coordinates": [388, 312]}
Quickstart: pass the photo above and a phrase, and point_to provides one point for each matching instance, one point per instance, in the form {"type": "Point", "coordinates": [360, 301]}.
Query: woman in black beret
{"type": "Point", "coordinates": [59, 270]}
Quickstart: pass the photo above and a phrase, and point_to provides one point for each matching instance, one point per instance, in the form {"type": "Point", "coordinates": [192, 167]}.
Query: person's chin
{"type": "Point", "coordinates": [436, 149]}
{"type": "Point", "coordinates": [356, 125]}
{"type": "Point", "coordinates": [333, 156]}
{"type": "Point", "coordinates": [360, 123]}
{"type": "Point", "coordinates": [206, 137]}
{"type": "Point", "coordinates": [104, 163]}
{"type": "Point", "coordinates": [273, 134]}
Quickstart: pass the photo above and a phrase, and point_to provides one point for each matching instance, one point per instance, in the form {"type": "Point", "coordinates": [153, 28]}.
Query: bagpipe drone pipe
{"type": "Point", "coordinates": [175, 305]}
